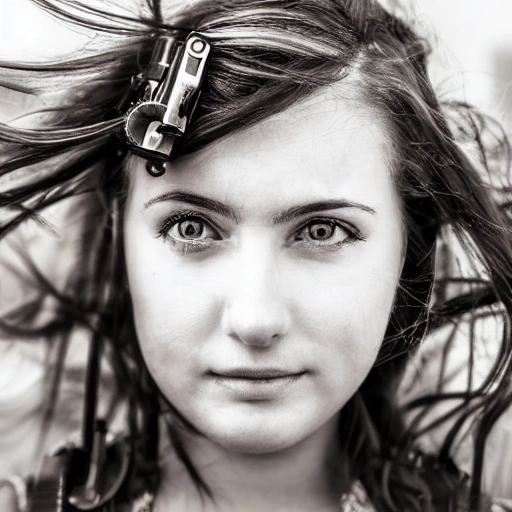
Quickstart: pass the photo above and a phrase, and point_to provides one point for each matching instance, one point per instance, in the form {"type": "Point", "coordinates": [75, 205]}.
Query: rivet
{"type": "Point", "coordinates": [155, 169]}
{"type": "Point", "coordinates": [198, 45]}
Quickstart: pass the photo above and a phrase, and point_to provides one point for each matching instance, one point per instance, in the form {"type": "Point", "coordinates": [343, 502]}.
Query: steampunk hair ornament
{"type": "Point", "coordinates": [169, 90]}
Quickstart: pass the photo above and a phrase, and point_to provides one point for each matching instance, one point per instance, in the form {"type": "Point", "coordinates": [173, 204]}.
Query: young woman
{"type": "Point", "coordinates": [257, 263]}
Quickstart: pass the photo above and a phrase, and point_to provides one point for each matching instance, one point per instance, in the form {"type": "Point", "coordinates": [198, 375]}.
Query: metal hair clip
{"type": "Point", "coordinates": [170, 90]}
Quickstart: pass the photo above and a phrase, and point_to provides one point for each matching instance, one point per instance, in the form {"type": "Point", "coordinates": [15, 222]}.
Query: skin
{"type": "Point", "coordinates": [303, 296]}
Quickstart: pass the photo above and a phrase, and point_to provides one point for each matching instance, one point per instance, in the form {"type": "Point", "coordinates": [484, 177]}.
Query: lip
{"type": "Point", "coordinates": [256, 384]}
{"type": "Point", "coordinates": [255, 373]}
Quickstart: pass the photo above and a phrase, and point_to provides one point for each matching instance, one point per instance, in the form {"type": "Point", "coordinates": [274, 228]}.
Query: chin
{"type": "Point", "coordinates": [253, 443]}
{"type": "Point", "coordinates": [254, 434]}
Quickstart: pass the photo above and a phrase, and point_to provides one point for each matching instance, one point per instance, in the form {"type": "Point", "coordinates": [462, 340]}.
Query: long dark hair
{"type": "Point", "coordinates": [266, 55]}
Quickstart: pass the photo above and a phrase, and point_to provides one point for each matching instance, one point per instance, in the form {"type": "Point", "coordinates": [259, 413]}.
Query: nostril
{"type": "Point", "coordinates": [255, 337]}
{"type": "Point", "coordinates": [255, 327]}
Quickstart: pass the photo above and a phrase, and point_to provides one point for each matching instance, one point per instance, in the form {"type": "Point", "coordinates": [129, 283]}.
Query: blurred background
{"type": "Point", "coordinates": [471, 39]}
{"type": "Point", "coordinates": [472, 61]}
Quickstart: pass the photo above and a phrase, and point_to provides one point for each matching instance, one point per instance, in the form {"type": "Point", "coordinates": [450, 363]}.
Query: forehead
{"type": "Point", "coordinates": [328, 144]}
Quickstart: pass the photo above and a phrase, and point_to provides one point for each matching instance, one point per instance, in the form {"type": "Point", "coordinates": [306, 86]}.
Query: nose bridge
{"type": "Point", "coordinates": [256, 311]}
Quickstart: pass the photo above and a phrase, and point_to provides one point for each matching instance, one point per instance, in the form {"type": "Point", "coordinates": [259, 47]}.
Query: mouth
{"type": "Point", "coordinates": [256, 384]}
{"type": "Point", "coordinates": [256, 373]}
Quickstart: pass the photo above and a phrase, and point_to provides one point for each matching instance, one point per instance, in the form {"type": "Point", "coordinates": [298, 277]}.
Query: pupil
{"type": "Point", "coordinates": [321, 231]}
{"type": "Point", "coordinates": [191, 229]}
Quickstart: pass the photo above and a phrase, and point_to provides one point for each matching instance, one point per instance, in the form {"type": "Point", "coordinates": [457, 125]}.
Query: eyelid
{"type": "Point", "coordinates": [185, 246]}
{"type": "Point", "coordinates": [347, 226]}
{"type": "Point", "coordinates": [185, 215]}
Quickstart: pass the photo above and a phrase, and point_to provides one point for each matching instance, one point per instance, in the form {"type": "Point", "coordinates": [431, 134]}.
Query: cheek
{"type": "Point", "coordinates": [169, 309]}
{"type": "Point", "coordinates": [165, 286]}
{"type": "Point", "coordinates": [176, 307]}
{"type": "Point", "coordinates": [347, 312]}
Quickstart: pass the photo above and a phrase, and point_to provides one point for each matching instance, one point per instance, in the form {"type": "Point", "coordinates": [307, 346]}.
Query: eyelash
{"type": "Point", "coordinates": [353, 234]}
{"type": "Point", "coordinates": [187, 246]}
{"type": "Point", "coordinates": [183, 246]}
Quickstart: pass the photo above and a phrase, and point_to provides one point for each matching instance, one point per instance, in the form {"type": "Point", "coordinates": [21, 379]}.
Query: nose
{"type": "Point", "coordinates": [255, 311]}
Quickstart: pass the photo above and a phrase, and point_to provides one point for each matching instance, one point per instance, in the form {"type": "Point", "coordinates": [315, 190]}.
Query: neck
{"type": "Point", "coordinates": [306, 476]}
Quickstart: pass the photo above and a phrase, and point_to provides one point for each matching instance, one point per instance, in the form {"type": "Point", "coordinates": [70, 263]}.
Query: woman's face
{"type": "Point", "coordinates": [263, 270]}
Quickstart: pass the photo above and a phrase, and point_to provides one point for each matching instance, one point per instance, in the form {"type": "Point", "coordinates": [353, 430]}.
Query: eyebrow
{"type": "Point", "coordinates": [297, 211]}
{"type": "Point", "coordinates": [281, 218]}
{"type": "Point", "coordinates": [196, 200]}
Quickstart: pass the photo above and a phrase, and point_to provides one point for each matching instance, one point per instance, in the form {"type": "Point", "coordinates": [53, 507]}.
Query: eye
{"type": "Point", "coordinates": [321, 231]}
{"type": "Point", "coordinates": [327, 233]}
{"type": "Point", "coordinates": [188, 227]}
